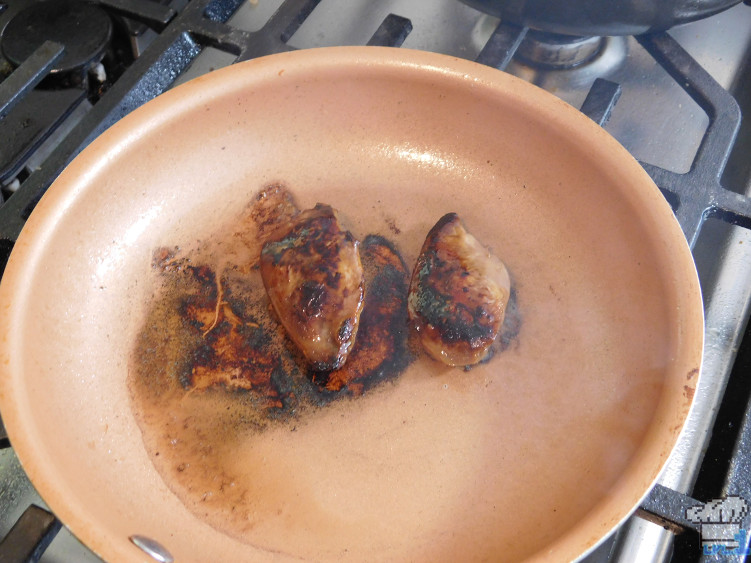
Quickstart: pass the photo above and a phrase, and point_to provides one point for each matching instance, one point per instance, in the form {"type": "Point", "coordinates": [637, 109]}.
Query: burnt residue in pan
{"type": "Point", "coordinates": [212, 331]}
{"type": "Point", "coordinates": [212, 328]}
{"type": "Point", "coordinates": [213, 366]}
{"type": "Point", "coordinates": [243, 347]}
{"type": "Point", "coordinates": [235, 341]}
{"type": "Point", "coordinates": [214, 376]}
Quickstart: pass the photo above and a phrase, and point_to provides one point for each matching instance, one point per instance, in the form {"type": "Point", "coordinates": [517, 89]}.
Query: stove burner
{"type": "Point", "coordinates": [557, 52]}
{"type": "Point", "coordinates": [83, 29]}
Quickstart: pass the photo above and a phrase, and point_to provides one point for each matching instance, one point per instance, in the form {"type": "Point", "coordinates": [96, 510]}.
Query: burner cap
{"type": "Point", "coordinates": [83, 29]}
{"type": "Point", "coordinates": [553, 51]}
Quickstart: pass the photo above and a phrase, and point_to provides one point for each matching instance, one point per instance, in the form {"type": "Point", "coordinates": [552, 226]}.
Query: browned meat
{"type": "Point", "coordinates": [314, 279]}
{"type": "Point", "coordinates": [235, 353]}
{"type": "Point", "coordinates": [272, 209]}
{"type": "Point", "coordinates": [223, 339]}
{"type": "Point", "coordinates": [382, 352]}
{"type": "Point", "coordinates": [458, 294]}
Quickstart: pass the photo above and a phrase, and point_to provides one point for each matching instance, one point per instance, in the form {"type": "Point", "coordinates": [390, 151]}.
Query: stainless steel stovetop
{"type": "Point", "coordinates": [655, 118]}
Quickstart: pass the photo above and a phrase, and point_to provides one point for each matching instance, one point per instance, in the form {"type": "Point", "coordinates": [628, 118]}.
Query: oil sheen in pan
{"type": "Point", "coordinates": [426, 463]}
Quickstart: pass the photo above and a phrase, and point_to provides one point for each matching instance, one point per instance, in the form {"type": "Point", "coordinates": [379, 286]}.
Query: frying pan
{"type": "Point", "coordinates": [594, 17]}
{"type": "Point", "coordinates": [537, 454]}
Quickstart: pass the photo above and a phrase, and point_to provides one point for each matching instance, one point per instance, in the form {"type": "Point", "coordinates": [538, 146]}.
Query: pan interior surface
{"type": "Point", "coordinates": [536, 454]}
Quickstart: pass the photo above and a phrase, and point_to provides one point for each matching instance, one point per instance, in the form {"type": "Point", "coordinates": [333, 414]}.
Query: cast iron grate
{"type": "Point", "coordinates": [695, 196]}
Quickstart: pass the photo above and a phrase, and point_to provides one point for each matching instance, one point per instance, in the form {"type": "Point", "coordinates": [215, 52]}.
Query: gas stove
{"type": "Point", "coordinates": [675, 100]}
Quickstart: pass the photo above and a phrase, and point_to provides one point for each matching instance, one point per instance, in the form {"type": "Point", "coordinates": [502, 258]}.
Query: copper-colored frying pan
{"type": "Point", "coordinates": [537, 454]}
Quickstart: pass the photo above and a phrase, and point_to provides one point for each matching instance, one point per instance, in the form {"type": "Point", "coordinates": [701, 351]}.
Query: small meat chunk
{"type": "Point", "coordinates": [458, 294]}
{"type": "Point", "coordinates": [272, 210]}
{"type": "Point", "coordinates": [314, 279]}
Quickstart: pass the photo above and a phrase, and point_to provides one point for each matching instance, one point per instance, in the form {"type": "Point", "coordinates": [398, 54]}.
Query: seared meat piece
{"type": "Point", "coordinates": [382, 351]}
{"type": "Point", "coordinates": [272, 210]}
{"type": "Point", "coordinates": [314, 279]}
{"type": "Point", "coordinates": [273, 206]}
{"type": "Point", "coordinates": [458, 294]}
{"type": "Point", "coordinates": [214, 333]}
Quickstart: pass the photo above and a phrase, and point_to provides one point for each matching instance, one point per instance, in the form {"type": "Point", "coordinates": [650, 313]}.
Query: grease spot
{"type": "Point", "coordinates": [688, 392]}
{"type": "Point", "coordinates": [391, 223]}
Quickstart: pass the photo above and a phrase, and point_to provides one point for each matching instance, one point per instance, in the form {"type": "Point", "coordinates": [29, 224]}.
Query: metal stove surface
{"type": "Point", "coordinates": [655, 118]}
